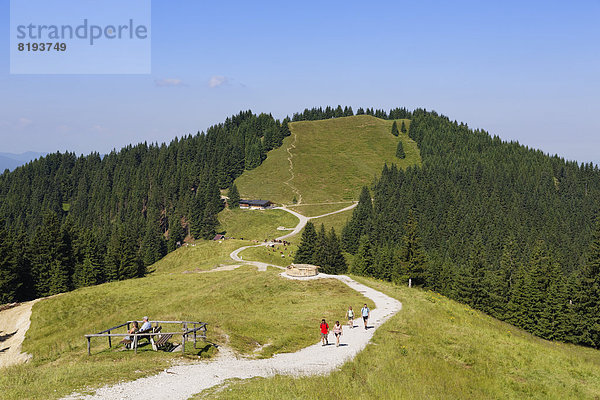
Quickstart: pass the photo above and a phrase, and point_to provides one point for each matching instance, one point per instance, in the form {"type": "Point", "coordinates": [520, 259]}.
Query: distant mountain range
{"type": "Point", "coordinates": [11, 161]}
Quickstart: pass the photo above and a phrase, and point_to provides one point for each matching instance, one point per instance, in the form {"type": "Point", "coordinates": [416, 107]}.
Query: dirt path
{"type": "Point", "coordinates": [292, 175]}
{"type": "Point", "coordinates": [183, 381]}
{"type": "Point", "coordinates": [302, 221]}
{"type": "Point", "coordinates": [14, 323]}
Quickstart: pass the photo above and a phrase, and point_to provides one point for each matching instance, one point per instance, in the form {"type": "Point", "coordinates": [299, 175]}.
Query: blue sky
{"type": "Point", "coordinates": [527, 71]}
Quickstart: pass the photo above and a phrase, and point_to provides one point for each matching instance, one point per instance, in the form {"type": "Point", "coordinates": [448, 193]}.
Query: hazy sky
{"type": "Point", "coordinates": [525, 70]}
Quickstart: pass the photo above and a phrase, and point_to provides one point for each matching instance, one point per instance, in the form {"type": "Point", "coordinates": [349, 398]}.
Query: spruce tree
{"type": "Point", "coordinates": [320, 255]}
{"type": "Point", "coordinates": [360, 223]}
{"type": "Point", "coordinates": [516, 309]}
{"type": "Point", "coordinates": [154, 246]}
{"type": "Point", "coordinates": [363, 260]}
{"type": "Point", "coordinates": [9, 278]}
{"type": "Point", "coordinates": [176, 233]}
{"type": "Point", "coordinates": [588, 295]}
{"type": "Point", "coordinates": [306, 249]}
{"type": "Point", "coordinates": [400, 151]}
{"type": "Point", "coordinates": [403, 127]}
{"type": "Point", "coordinates": [197, 214]}
{"type": "Point", "coordinates": [59, 278]}
{"type": "Point", "coordinates": [540, 267]}
{"type": "Point", "coordinates": [335, 257]}
{"type": "Point", "coordinates": [112, 260]}
{"type": "Point", "coordinates": [413, 253]}
{"type": "Point", "coordinates": [395, 129]}
{"type": "Point", "coordinates": [234, 197]}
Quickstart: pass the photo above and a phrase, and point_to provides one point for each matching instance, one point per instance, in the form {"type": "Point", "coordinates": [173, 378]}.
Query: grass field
{"type": "Point", "coordinates": [199, 256]}
{"type": "Point", "coordinates": [332, 160]}
{"type": "Point", "coordinates": [436, 348]}
{"type": "Point", "coordinates": [255, 224]}
{"type": "Point", "coordinates": [271, 255]}
{"type": "Point", "coordinates": [228, 301]}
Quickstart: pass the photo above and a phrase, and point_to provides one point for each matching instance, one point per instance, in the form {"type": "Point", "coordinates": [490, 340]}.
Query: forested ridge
{"type": "Point", "coordinates": [69, 221]}
{"type": "Point", "coordinates": [496, 225]}
{"type": "Point", "coordinates": [506, 229]}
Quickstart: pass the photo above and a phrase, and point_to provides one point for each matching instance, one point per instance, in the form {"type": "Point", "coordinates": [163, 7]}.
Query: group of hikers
{"type": "Point", "coordinates": [365, 313]}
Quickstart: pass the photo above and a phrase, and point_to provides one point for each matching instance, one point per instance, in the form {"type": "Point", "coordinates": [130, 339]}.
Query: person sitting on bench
{"type": "Point", "coordinates": [128, 339]}
{"type": "Point", "coordinates": [146, 326]}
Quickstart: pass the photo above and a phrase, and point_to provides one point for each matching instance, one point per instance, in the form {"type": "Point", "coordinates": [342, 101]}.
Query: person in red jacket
{"type": "Point", "coordinates": [324, 332]}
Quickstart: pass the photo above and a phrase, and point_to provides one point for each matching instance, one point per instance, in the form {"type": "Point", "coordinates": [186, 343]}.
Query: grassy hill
{"type": "Point", "coordinates": [330, 161]}
{"type": "Point", "coordinates": [228, 301]}
{"type": "Point", "coordinates": [255, 224]}
{"type": "Point", "coordinates": [436, 348]}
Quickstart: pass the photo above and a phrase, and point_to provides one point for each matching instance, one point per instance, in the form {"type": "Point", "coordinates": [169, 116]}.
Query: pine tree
{"type": "Point", "coordinates": [335, 257]}
{"type": "Point", "coordinates": [176, 233]}
{"type": "Point", "coordinates": [360, 223]}
{"type": "Point", "coordinates": [363, 261]}
{"type": "Point", "coordinates": [197, 214]}
{"type": "Point", "coordinates": [154, 246]}
{"type": "Point", "coordinates": [130, 265]}
{"type": "Point", "coordinates": [234, 197]}
{"type": "Point", "coordinates": [540, 267]}
{"type": "Point", "coordinates": [320, 254]}
{"type": "Point", "coordinates": [588, 296]}
{"type": "Point", "coordinates": [307, 247]}
{"type": "Point", "coordinates": [400, 151]}
{"type": "Point", "coordinates": [413, 253]}
{"type": "Point", "coordinates": [395, 129]}
{"type": "Point", "coordinates": [112, 260]}
{"type": "Point", "coordinates": [59, 278]}
{"type": "Point", "coordinates": [9, 278]}
{"type": "Point", "coordinates": [403, 127]}
{"type": "Point", "coordinates": [516, 309]}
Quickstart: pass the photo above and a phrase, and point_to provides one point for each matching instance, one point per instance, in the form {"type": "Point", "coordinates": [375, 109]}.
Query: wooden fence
{"type": "Point", "coordinates": [194, 328]}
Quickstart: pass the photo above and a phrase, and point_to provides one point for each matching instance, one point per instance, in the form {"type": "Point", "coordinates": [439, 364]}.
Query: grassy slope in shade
{"type": "Point", "coordinates": [332, 160]}
{"type": "Point", "coordinates": [255, 224]}
{"type": "Point", "coordinates": [436, 348]}
{"type": "Point", "coordinates": [229, 301]}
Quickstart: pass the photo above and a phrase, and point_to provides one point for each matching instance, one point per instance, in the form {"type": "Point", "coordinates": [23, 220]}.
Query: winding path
{"type": "Point", "coordinates": [292, 175]}
{"type": "Point", "coordinates": [302, 221]}
{"type": "Point", "coordinates": [183, 381]}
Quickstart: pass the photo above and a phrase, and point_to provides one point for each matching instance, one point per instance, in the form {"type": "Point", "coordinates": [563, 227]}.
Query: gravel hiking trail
{"type": "Point", "coordinates": [302, 220]}
{"type": "Point", "coordinates": [183, 381]}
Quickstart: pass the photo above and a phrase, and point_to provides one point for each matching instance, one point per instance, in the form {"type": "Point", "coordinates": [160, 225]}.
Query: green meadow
{"type": "Point", "coordinates": [228, 301]}
{"type": "Point", "coordinates": [332, 159]}
{"type": "Point", "coordinates": [436, 348]}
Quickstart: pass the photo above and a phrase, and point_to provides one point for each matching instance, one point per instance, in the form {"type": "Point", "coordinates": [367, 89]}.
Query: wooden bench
{"type": "Point", "coordinates": [161, 342]}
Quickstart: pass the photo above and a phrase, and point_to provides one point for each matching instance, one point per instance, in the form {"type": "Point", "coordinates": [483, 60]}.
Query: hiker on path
{"type": "Point", "coordinates": [366, 313]}
{"type": "Point", "coordinates": [337, 331]}
{"type": "Point", "coordinates": [350, 315]}
{"type": "Point", "coordinates": [324, 332]}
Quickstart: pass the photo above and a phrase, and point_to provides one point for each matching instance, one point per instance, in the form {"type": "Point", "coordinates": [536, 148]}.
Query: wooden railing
{"type": "Point", "coordinates": [198, 330]}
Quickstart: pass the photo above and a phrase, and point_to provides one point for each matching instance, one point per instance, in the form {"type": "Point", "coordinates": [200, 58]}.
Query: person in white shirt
{"type": "Point", "coordinates": [366, 313]}
{"type": "Point", "coordinates": [146, 326]}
